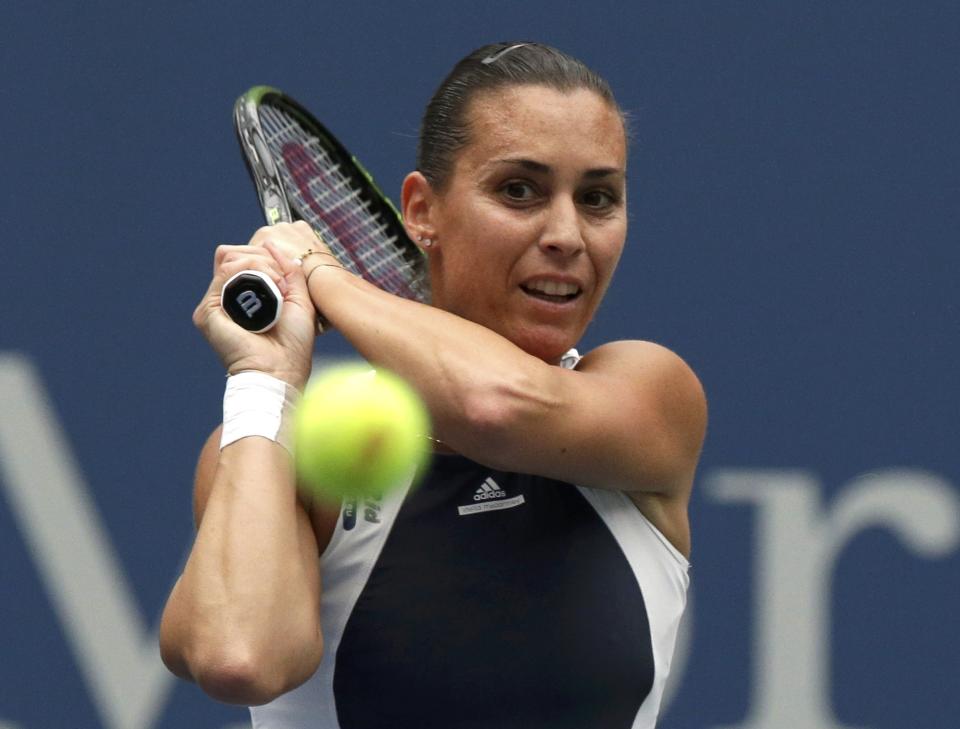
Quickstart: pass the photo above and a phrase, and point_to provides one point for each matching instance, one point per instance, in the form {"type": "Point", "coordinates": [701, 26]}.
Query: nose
{"type": "Point", "coordinates": [562, 234]}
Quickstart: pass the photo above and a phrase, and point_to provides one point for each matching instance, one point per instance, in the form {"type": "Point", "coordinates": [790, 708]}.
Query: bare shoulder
{"type": "Point", "coordinates": [661, 401]}
{"type": "Point", "coordinates": [659, 381]}
{"type": "Point", "coordinates": [642, 358]}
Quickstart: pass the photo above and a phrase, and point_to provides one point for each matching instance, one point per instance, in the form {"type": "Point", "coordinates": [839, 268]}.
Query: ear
{"type": "Point", "coordinates": [417, 202]}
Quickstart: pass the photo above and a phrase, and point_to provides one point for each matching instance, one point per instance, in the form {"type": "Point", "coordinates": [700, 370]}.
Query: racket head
{"type": "Point", "coordinates": [303, 172]}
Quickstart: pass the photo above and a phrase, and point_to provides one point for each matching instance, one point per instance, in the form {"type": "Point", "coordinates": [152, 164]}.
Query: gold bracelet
{"type": "Point", "coordinates": [310, 252]}
{"type": "Point", "coordinates": [322, 265]}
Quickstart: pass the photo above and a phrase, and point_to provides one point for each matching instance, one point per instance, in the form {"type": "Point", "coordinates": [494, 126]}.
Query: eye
{"type": "Point", "coordinates": [599, 199]}
{"type": "Point", "coordinates": [518, 191]}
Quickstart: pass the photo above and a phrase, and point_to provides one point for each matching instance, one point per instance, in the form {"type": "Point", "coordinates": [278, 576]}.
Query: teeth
{"type": "Point", "coordinates": [553, 288]}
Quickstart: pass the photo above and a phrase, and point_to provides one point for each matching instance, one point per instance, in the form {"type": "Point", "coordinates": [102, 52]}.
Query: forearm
{"type": "Point", "coordinates": [631, 418]}
{"type": "Point", "coordinates": [474, 380]}
{"type": "Point", "coordinates": [243, 621]}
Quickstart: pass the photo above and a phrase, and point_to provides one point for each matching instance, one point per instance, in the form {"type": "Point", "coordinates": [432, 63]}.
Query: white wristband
{"type": "Point", "coordinates": [255, 403]}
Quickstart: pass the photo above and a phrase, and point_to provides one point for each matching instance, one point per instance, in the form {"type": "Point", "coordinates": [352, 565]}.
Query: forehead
{"type": "Point", "coordinates": [542, 123]}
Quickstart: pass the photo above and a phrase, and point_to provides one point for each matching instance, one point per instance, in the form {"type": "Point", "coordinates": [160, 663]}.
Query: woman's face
{"type": "Point", "coordinates": [533, 220]}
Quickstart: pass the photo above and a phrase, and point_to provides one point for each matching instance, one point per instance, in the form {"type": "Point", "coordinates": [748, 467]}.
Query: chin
{"type": "Point", "coordinates": [548, 346]}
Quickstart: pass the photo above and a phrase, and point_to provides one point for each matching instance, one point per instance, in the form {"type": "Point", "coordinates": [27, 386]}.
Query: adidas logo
{"type": "Point", "coordinates": [489, 489]}
{"type": "Point", "coordinates": [493, 498]}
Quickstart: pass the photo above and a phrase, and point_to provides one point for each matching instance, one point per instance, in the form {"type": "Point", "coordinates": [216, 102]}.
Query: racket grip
{"type": "Point", "coordinates": [252, 300]}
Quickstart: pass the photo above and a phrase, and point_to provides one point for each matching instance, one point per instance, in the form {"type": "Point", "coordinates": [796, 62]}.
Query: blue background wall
{"type": "Point", "coordinates": [795, 200]}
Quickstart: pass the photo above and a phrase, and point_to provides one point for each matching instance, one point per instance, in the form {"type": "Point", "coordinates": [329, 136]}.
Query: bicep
{"type": "Point", "coordinates": [632, 417]}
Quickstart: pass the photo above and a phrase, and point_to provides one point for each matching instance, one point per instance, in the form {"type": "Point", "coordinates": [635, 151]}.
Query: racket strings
{"type": "Point", "coordinates": [342, 213]}
{"type": "Point", "coordinates": [364, 236]}
{"type": "Point", "coordinates": [326, 197]}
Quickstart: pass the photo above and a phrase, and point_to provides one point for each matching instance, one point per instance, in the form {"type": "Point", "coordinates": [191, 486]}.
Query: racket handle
{"type": "Point", "coordinates": [252, 300]}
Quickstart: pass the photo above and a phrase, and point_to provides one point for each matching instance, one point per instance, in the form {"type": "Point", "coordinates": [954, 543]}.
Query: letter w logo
{"type": "Point", "coordinates": [117, 655]}
{"type": "Point", "coordinates": [250, 303]}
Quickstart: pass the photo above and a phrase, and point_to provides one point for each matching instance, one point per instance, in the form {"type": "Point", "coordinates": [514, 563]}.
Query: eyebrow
{"type": "Point", "coordinates": [542, 168]}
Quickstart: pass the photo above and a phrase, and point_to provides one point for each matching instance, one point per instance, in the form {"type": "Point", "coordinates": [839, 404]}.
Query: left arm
{"type": "Point", "coordinates": [631, 418]}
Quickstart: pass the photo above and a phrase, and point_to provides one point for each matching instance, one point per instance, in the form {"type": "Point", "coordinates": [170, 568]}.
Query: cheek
{"type": "Point", "coordinates": [616, 250]}
{"type": "Point", "coordinates": [610, 242]}
{"type": "Point", "coordinates": [605, 260]}
{"type": "Point", "coordinates": [500, 225]}
{"type": "Point", "coordinates": [492, 236]}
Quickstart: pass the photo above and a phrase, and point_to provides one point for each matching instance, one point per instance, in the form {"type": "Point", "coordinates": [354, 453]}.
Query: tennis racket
{"type": "Point", "coordinates": [302, 172]}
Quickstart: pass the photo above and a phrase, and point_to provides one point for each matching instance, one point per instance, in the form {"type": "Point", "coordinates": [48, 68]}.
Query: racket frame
{"type": "Point", "coordinates": [274, 198]}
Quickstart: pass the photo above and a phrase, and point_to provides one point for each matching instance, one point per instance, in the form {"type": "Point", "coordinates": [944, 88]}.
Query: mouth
{"type": "Point", "coordinates": [555, 292]}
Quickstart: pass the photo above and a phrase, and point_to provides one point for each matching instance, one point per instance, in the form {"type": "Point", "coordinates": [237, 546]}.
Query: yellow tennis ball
{"type": "Point", "coordinates": [358, 432]}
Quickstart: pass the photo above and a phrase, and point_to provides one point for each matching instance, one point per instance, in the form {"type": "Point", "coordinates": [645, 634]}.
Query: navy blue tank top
{"type": "Point", "coordinates": [488, 599]}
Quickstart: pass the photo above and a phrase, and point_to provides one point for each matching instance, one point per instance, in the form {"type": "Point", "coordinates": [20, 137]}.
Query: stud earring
{"type": "Point", "coordinates": [427, 242]}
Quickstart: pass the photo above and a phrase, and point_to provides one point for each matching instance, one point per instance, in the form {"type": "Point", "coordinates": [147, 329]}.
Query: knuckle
{"type": "Point", "coordinates": [228, 266]}
{"type": "Point", "coordinates": [261, 234]}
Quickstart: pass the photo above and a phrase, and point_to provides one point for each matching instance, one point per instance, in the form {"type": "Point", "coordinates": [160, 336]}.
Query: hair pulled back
{"type": "Point", "coordinates": [445, 127]}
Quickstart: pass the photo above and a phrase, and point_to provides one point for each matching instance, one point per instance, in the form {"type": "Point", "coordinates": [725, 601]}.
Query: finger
{"type": "Point", "coordinates": [253, 257]}
{"type": "Point", "coordinates": [291, 270]}
{"type": "Point", "coordinates": [263, 266]}
{"type": "Point", "coordinates": [231, 249]}
{"type": "Point", "coordinates": [234, 262]}
{"type": "Point", "coordinates": [284, 263]}
{"type": "Point", "coordinates": [293, 238]}
{"type": "Point", "coordinates": [289, 232]}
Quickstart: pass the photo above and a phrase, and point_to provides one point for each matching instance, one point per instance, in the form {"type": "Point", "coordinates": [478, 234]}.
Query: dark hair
{"type": "Point", "coordinates": [445, 129]}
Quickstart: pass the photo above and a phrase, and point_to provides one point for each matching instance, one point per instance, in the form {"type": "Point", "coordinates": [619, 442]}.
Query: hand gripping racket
{"type": "Point", "coordinates": [302, 172]}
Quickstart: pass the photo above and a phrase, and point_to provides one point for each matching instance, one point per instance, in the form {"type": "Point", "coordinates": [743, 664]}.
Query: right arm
{"type": "Point", "coordinates": [243, 620]}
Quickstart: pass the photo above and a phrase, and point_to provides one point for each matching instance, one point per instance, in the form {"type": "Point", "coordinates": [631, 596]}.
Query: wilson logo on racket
{"type": "Point", "coordinates": [252, 300]}
{"type": "Point", "coordinates": [250, 303]}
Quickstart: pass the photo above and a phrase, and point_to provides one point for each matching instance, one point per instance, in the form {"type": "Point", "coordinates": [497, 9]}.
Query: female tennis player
{"type": "Point", "coordinates": [537, 575]}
